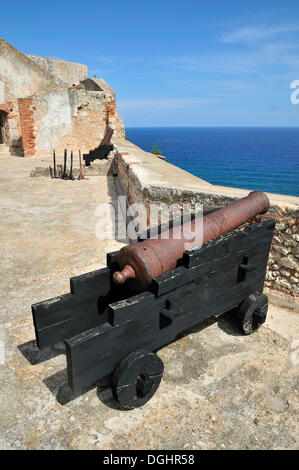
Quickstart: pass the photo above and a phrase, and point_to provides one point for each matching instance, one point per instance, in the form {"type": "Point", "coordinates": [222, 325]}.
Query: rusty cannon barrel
{"type": "Point", "coordinates": [142, 262]}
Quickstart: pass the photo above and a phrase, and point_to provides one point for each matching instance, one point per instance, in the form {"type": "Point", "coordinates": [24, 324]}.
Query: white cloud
{"type": "Point", "coordinates": [252, 60]}
{"type": "Point", "coordinates": [225, 62]}
{"type": "Point", "coordinates": [164, 103]}
{"type": "Point", "coordinates": [220, 85]}
{"type": "Point", "coordinates": [251, 34]}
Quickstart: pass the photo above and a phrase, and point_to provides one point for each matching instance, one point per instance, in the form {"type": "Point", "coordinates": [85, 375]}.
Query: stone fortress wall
{"type": "Point", "coordinates": [70, 73]}
{"type": "Point", "coordinates": [49, 104]}
{"type": "Point", "coordinates": [19, 77]}
{"type": "Point", "coordinates": [73, 118]}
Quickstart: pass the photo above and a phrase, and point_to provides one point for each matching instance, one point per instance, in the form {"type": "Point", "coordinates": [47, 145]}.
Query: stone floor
{"type": "Point", "coordinates": [220, 390]}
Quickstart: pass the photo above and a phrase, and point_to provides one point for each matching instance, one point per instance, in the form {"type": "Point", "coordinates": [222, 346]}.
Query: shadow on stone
{"type": "Point", "coordinates": [58, 386]}
{"type": "Point", "coordinates": [229, 324]}
{"type": "Point", "coordinates": [201, 326]}
{"type": "Point", "coordinates": [226, 322]}
{"type": "Point", "coordinates": [35, 355]}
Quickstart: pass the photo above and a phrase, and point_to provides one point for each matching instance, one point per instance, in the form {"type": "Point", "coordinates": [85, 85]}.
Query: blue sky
{"type": "Point", "coordinates": [173, 63]}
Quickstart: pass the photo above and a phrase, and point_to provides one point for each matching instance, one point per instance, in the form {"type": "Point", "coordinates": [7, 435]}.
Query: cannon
{"type": "Point", "coordinates": [102, 151]}
{"type": "Point", "coordinates": [140, 264]}
{"type": "Point", "coordinates": [111, 331]}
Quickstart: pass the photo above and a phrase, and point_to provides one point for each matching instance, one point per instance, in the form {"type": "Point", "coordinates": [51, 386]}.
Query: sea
{"type": "Point", "coordinates": [261, 158]}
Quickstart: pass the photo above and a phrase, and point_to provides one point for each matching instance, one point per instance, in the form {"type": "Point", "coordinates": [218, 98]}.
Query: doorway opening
{"type": "Point", "coordinates": [2, 141]}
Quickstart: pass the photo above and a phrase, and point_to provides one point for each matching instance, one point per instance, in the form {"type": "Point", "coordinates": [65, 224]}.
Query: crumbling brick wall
{"type": "Point", "coordinates": [27, 126]}
{"type": "Point", "coordinates": [74, 118]}
{"type": "Point", "coordinates": [45, 114]}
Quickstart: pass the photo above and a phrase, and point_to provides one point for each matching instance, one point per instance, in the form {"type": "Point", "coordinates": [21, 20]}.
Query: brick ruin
{"type": "Point", "coordinates": [48, 104]}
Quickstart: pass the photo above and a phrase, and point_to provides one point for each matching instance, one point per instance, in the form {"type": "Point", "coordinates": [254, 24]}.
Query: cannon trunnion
{"type": "Point", "coordinates": [108, 332]}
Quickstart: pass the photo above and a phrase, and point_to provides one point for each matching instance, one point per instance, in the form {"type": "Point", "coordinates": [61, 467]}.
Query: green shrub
{"type": "Point", "coordinates": [157, 151]}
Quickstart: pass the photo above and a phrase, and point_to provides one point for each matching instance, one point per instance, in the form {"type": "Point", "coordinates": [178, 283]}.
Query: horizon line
{"type": "Point", "coordinates": [209, 127]}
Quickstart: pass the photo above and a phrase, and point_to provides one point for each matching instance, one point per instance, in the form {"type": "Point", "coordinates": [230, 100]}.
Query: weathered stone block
{"type": "Point", "coordinates": [270, 275]}
{"type": "Point", "coordinates": [290, 262]}
{"type": "Point", "coordinates": [282, 249]}
{"type": "Point", "coordinates": [280, 226]}
{"type": "Point", "coordinates": [281, 282]}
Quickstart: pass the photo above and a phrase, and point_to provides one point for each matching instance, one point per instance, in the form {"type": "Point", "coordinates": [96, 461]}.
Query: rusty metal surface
{"type": "Point", "coordinates": [142, 262]}
{"type": "Point", "coordinates": [107, 136]}
{"type": "Point", "coordinates": [234, 214]}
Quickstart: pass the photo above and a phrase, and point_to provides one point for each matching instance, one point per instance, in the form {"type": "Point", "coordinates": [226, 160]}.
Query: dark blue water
{"type": "Point", "coordinates": [265, 159]}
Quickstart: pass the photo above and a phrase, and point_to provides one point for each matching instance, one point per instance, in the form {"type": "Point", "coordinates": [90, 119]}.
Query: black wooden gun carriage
{"type": "Point", "coordinates": [107, 332]}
